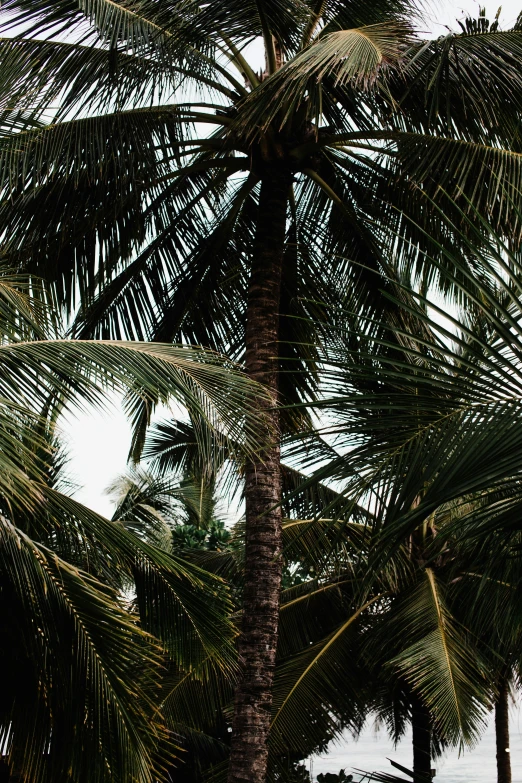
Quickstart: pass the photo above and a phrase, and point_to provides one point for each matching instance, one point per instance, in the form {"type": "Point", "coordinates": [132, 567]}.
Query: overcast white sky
{"type": "Point", "coordinates": [444, 13]}
{"type": "Point", "coordinates": [99, 442]}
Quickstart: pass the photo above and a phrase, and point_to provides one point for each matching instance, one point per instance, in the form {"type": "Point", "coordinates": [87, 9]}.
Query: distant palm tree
{"type": "Point", "coordinates": [492, 607]}
{"type": "Point", "coordinates": [353, 645]}
{"type": "Point", "coordinates": [81, 671]}
{"type": "Point", "coordinates": [174, 190]}
{"type": "Point", "coordinates": [175, 512]}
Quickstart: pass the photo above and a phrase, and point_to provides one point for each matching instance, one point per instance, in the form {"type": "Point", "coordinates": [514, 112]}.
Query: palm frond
{"type": "Point", "coordinates": [36, 74]}
{"type": "Point", "coordinates": [178, 602]}
{"type": "Point", "coordinates": [440, 664]}
{"type": "Point", "coordinates": [95, 650]}
{"type": "Point", "coordinates": [346, 56]}
{"type": "Point", "coordinates": [468, 82]}
{"type": "Point", "coordinates": [135, 27]}
{"type": "Point", "coordinates": [307, 685]}
{"type": "Point", "coordinates": [199, 379]}
{"type": "Point", "coordinates": [488, 177]}
{"type": "Point", "coordinates": [27, 307]}
{"type": "Point", "coordinates": [146, 506]}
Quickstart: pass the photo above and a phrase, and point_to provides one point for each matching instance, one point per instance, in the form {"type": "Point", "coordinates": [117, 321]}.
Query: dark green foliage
{"type": "Point", "coordinates": [215, 538]}
{"type": "Point", "coordinates": [82, 672]}
{"type": "Point", "coordinates": [131, 157]}
{"type": "Point", "coordinates": [330, 777]}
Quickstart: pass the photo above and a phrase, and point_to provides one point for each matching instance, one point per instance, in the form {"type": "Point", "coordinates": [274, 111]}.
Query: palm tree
{"type": "Point", "coordinates": [152, 502]}
{"type": "Point", "coordinates": [159, 229]}
{"type": "Point", "coordinates": [82, 671]}
{"type": "Point", "coordinates": [177, 513]}
{"type": "Point", "coordinates": [493, 607]}
{"type": "Point", "coordinates": [426, 418]}
{"type": "Point", "coordinates": [351, 646]}
{"type": "Point", "coordinates": [502, 732]}
{"type": "Point", "coordinates": [172, 502]}
{"type": "Point", "coordinates": [310, 690]}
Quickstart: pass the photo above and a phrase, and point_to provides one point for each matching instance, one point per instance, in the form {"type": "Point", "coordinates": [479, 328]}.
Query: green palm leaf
{"type": "Point", "coordinates": [305, 701]}
{"type": "Point", "coordinates": [459, 81]}
{"type": "Point", "coordinates": [347, 56]}
{"type": "Point", "coordinates": [36, 73]}
{"type": "Point", "coordinates": [200, 379]}
{"type": "Point", "coordinates": [94, 650]}
{"type": "Point", "coordinates": [440, 664]}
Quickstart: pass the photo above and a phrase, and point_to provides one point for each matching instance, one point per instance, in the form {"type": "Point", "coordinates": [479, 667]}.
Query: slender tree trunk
{"type": "Point", "coordinates": [258, 639]}
{"type": "Point", "coordinates": [421, 731]}
{"type": "Point", "coordinates": [502, 733]}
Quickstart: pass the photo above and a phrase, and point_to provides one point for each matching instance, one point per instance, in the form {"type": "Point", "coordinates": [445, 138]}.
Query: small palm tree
{"type": "Point", "coordinates": [172, 503]}
{"type": "Point", "coordinates": [178, 191]}
{"type": "Point", "coordinates": [493, 608]}
{"type": "Point", "coordinates": [353, 643]}
{"type": "Point", "coordinates": [176, 514]}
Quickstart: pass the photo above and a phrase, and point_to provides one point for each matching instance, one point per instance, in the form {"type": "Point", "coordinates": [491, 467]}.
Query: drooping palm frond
{"type": "Point", "coordinates": [487, 174]}
{"type": "Point", "coordinates": [199, 701]}
{"type": "Point", "coordinates": [440, 664]}
{"type": "Point", "coordinates": [325, 543]}
{"type": "Point", "coordinates": [26, 307]}
{"type": "Point", "coordinates": [172, 447]}
{"type": "Point", "coordinates": [313, 609]}
{"type": "Point", "coordinates": [151, 372]}
{"type": "Point", "coordinates": [108, 78]}
{"type": "Point", "coordinates": [181, 604]}
{"type": "Point", "coordinates": [306, 694]}
{"type": "Point", "coordinates": [119, 25]}
{"type": "Point", "coordinates": [145, 505]}
{"type": "Point", "coordinates": [65, 568]}
{"type": "Point", "coordinates": [94, 650]}
{"type": "Point", "coordinates": [452, 75]}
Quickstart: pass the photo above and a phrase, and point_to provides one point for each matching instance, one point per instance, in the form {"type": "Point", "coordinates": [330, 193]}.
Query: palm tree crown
{"type": "Point", "coordinates": [142, 207]}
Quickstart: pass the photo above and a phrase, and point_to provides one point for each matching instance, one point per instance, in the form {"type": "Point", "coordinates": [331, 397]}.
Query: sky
{"type": "Point", "coordinates": [442, 14]}
{"type": "Point", "coordinates": [98, 441]}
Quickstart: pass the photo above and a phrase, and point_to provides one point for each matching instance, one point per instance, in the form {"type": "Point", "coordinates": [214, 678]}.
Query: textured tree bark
{"type": "Point", "coordinates": [502, 733]}
{"type": "Point", "coordinates": [421, 735]}
{"type": "Point", "coordinates": [263, 562]}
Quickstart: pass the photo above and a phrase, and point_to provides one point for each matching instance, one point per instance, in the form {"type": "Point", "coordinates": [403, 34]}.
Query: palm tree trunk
{"type": "Point", "coordinates": [263, 562]}
{"type": "Point", "coordinates": [421, 735]}
{"type": "Point", "coordinates": [502, 733]}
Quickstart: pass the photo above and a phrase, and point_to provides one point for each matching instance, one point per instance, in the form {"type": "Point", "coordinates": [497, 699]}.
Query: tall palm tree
{"type": "Point", "coordinates": [173, 190]}
{"type": "Point", "coordinates": [82, 671]}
